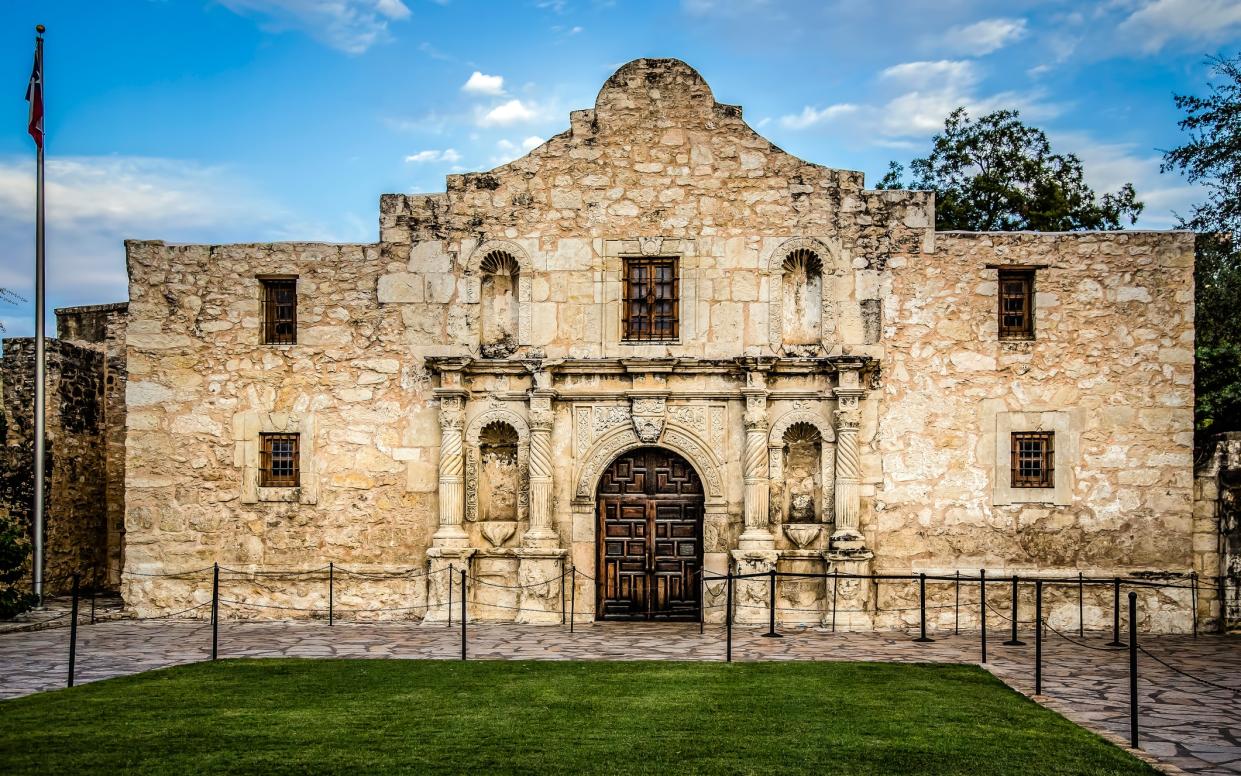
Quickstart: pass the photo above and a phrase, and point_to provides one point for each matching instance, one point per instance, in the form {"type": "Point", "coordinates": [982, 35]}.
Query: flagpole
{"type": "Point", "coordinates": [40, 398]}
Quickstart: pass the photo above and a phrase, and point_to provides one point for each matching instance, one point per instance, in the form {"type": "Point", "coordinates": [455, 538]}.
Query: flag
{"type": "Point", "coordinates": [34, 96]}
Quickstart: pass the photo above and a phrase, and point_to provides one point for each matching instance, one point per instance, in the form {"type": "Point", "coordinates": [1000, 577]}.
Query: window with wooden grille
{"type": "Point", "coordinates": [1016, 304]}
{"type": "Point", "coordinates": [278, 461]}
{"type": "Point", "coordinates": [650, 303]}
{"type": "Point", "coordinates": [1033, 459]}
{"type": "Point", "coordinates": [279, 311]}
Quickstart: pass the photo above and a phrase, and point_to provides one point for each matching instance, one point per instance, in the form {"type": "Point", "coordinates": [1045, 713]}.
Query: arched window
{"type": "Point", "coordinates": [499, 314]}
{"type": "Point", "coordinates": [498, 472]}
{"type": "Point", "coordinates": [802, 302]}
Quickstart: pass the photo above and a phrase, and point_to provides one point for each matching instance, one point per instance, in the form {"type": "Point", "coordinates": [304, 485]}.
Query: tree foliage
{"type": "Point", "coordinates": [997, 174]}
{"type": "Point", "coordinates": [1212, 157]}
{"type": "Point", "coordinates": [15, 596]}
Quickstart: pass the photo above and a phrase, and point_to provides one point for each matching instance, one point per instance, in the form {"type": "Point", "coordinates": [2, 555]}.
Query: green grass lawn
{"type": "Point", "coordinates": [418, 716]}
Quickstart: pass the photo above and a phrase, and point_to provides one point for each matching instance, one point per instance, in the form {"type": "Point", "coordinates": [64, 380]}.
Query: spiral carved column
{"type": "Point", "coordinates": [540, 533]}
{"type": "Point", "coordinates": [847, 535]}
{"type": "Point", "coordinates": [451, 468]}
{"type": "Point", "coordinates": [754, 466]}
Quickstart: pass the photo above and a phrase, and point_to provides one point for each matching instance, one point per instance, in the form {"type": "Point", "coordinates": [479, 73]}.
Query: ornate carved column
{"type": "Point", "coordinates": [756, 535]}
{"type": "Point", "coordinates": [452, 464]}
{"type": "Point", "coordinates": [540, 533]}
{"type": "Point", "coordinates": [847, 536]}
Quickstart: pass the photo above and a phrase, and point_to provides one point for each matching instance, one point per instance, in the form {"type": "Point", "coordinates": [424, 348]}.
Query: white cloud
{"type": "Point", "coordinates": [1108, 166]}
{"type": "Point", "coordinates": [433, 155]}
{"type": "Point", "coordinates": [479, 83]}
{"type": "Point", "coordinates": [95, 203]}
{"type": "Point", "coordinates": [982, 37]}
{"type": "Point", "coordinates": [532, 142]}
{"type": "Point", "coordinates": [512, 112]}
{"type": "Point", "coordinates": [510, 150]}
{"type": "Point", "coordinates": [810, 117]}
{"type": "Point", "coordinates": [1158, 22]}
{"type": "Point", "coordinates": [352, 26]}
{"type": "Point", "coordinates": [941, 74]}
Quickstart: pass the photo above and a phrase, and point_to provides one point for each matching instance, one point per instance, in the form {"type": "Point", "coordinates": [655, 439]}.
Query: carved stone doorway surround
{"type": "Point", "coordinates": [605, 430]}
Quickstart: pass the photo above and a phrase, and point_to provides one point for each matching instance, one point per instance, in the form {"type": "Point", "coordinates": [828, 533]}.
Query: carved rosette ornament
{"type": "Point", "coordinates": [648, 413]}
{"type": "Point", "coordinates": [451, 470]}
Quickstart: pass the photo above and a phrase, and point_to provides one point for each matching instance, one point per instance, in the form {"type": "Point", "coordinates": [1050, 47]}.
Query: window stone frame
{"type": "Point", "coordinates": [247, 427]}
{"type": "Point", "coordinates": [1066, 425]}
{"type": "Point", "coordinates": [688, 262]}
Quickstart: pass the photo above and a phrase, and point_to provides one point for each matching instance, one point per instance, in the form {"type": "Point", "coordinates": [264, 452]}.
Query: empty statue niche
{"type": "Point", "coordinates": [802, 304]}
{"type": "Point", "coordinates": [499, 478]}
{"type": "Point", "coordinates": [803, 473]}
{"type": "Point", "coordinates": [499, 304]}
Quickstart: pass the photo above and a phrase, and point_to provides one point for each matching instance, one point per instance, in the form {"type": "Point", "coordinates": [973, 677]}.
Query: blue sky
{"type": "Point", "coordinates": [256, 120]}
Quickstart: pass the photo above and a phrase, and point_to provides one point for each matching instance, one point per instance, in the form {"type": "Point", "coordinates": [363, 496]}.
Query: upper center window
{"type": "Point", "coordinates": [651, 291]}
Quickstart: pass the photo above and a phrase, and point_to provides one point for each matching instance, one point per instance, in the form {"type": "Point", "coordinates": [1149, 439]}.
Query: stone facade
{"type": "Point", "coordinates": [85, 443]}
{"type": "Point", "coordinates": [835, 381]}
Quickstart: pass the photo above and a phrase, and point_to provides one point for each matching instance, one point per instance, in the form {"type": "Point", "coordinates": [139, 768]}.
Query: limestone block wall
{"type": "Point", "coordinates": [102, 328]}
{"type": "Point", "coordinates": [201, 387]}
{"type": "Point", "coordinates": [75, 520]}
{"type": "Point", "coordinates": [1110, 370]}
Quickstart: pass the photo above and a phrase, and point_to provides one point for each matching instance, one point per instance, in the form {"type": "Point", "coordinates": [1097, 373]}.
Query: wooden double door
{"type": "Point", "coordinates": [650, 538]}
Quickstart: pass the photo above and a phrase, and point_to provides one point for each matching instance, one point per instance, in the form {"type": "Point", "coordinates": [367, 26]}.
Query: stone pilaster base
{"type": "Point", "coordinates": [752, 597]}
{"type": "Point", "coordinates": [854, 604]}
{"type": "Point", "coordinates": [498, 601]}
{"type": "Point", "coordinates": [538, 573]}
{"type": "Point", "coordinates": [802, 600]}
{"type": "Point", "coordinates": [445, 564]}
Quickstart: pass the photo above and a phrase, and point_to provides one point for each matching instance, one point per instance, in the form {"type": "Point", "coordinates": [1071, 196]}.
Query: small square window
{"type": "Point", "coordinates": [278, 461]}
{"type": "Point", "coordinates": [279, 311]}
{"type": "Point", "coordinates": [651, 299]}
{"type": "Point", "coordinates": [1016, 304]}
{"type": "Point", "coordinates": [1033, 459]}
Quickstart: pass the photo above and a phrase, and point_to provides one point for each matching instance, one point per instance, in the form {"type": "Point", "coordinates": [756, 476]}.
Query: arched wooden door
{"type": "Point", "coordinates": [649, 538]}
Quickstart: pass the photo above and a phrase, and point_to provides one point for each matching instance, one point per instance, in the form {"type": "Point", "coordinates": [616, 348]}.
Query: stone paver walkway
{"type": "Point", "coordinates": [1184, 723]}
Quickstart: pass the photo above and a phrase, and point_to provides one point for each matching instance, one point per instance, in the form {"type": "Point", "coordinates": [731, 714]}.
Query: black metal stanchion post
{"type": "Point", "coordinates": [331, 593]}
{"type": "Point", "coordinates": [922, 610]}
{"type": "Point", "coordinates": [956, 604]}
{"type": "Point", "coordinates": [1038, 637]}
{"type": "Point", "coordinates": [1222, 592]}
{"type": "Point", "coordinates": [215, 610]}
{"type": "Point", "coordinates": [573, 599]}
{"type": "Point", "coordinates": [982, 599]}
{"type": "Point", "coordinates": [771, 614]}
{"type": "Point", "coordinates": [835, 584]}
{"type": "Point", "coordinates": [73, 631]}
{"type": "Point", "coordinates": [1133, 669]}
{"type": "Point", "coordinates": [94, 586]}
{"type": "Point", "coordinates": [702, 601]}
{"type": "Point", "coordinates": [463, 613]}
{"type": "Point", "coordinates": [1081, 606]}
{"type": "Point", "coordinates": [450, 571]}
{"type": "Point", "coordinates": [1013, 641]}
{"type": "Point", "coordinates": [563, 602]}
{"type": "Point", "coordinates": [1193, 600]}
{"type": "Point", "coordinates": [728, 619]}
{"type": "Point", "coordinates": [1116, 642]}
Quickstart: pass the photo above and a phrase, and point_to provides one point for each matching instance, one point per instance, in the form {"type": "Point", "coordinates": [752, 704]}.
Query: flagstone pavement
{"type": "Point", "coordinates": [1185, 723]}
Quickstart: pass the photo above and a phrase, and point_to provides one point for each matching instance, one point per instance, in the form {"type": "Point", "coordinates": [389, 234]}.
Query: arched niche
{"type": "Point", "coordinates": [802, 308]}
{"type": "Point", "coordinates": [498, 275]}
{"type": "Point", "coordinates": [489, 434]}
{"type": "Point", "coordinates": [801, 461]}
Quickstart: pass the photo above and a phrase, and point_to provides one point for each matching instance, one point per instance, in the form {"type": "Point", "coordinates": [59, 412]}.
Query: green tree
{"type": "Point", "coordinates": [997, 174]}
{"type": "Point", "coordinates": [1212, 157]}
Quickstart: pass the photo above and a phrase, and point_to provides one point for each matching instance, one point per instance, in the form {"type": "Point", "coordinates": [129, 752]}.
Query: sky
{"type": "Point", "coordinates": [257, 120]}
